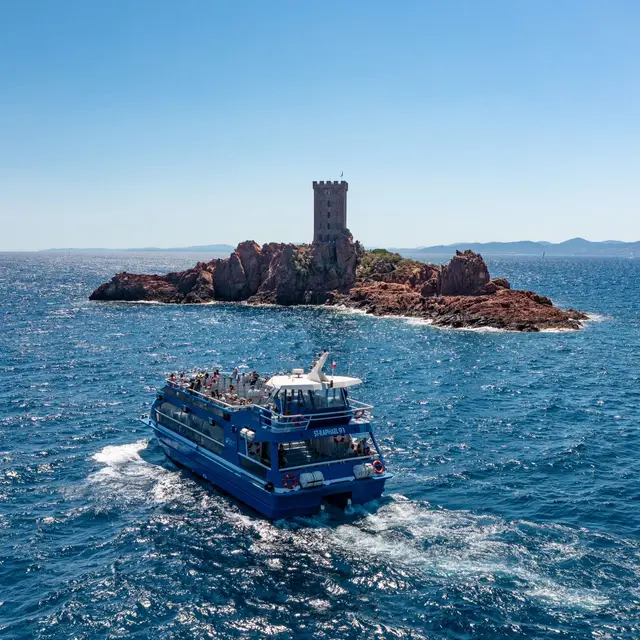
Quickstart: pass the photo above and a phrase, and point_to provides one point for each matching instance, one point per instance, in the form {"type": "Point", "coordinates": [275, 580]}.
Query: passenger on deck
{"type": "Point", "coordinates": [282, 456]}
{"type": "Point", "coordinates": [198, 385]}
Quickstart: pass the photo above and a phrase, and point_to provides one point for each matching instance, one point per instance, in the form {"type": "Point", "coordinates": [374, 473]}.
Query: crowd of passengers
{"type": "Point", "coordinates": [219, 385]}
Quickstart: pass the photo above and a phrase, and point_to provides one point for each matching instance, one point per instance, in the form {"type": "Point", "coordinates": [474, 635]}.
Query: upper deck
{"type": "Point", "coordinates": [283, 402]}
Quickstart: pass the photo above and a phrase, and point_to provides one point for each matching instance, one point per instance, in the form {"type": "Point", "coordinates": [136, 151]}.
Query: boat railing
{"type": "Point", "coordinates": [279, 422]}
{"type": "Point", "coordinates": [216, 401]}
{"type": "Point", "coordinates": [271, 418]}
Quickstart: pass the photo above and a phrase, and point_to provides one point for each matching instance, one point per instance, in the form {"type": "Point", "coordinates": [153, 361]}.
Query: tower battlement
{"type": "Point", "coordinates": [329, 183]}
{"type": "Point", "coordinates": [329, 209]}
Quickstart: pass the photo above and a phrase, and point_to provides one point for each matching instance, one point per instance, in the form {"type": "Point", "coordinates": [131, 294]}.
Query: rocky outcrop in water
{"type": "Point", "coordinates": [505, 309]}
{"type": "Point", "coordinates": [465, 275]}
{"type": "Point", "coordinates": [275, 273]}
{"type": "Point", "coordinates": [458, 294]}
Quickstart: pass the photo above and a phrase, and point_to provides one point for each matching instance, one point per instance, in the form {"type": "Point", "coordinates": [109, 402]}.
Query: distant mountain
{"type": "Point", "coordinates": [205, 248]}
{"type": "Point", "coordinates": [573, 247]}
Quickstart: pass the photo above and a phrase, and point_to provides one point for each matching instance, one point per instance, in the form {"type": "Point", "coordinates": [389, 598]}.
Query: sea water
{"type": "Point", "coordinates": [514, 510]}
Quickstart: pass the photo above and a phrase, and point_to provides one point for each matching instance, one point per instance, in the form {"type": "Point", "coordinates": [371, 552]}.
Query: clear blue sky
{"type": "Point", "coordinates": [137, 123]}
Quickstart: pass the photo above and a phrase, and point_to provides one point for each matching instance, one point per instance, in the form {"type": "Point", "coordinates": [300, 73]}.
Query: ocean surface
{"type": "Point", "coordinates": [514, 510]}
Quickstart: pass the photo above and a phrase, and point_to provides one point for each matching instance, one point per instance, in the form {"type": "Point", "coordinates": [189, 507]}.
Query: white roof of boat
{"type": "Point", "coordinates": [314, 380]}
{"type": "Point", "coordinates": [304, 383]}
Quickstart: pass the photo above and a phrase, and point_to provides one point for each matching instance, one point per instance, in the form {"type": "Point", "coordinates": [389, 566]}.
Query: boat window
{"type": "Point", "coordinates": [190, 426]}
{"type": "Point", "coordinates": [255, 457]}
{"type": "Point", "coordinates": [326, 449]}
{"type": "Point", "coordinates": [290, 401]}
{"type": "Point", "coordinates": [327, 399]}
{"type": "Point", "coordinates": [295, 401]}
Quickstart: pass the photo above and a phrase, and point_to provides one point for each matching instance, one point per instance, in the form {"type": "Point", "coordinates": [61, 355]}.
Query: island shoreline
{"type": "Point", "coordinates": [340, 273]}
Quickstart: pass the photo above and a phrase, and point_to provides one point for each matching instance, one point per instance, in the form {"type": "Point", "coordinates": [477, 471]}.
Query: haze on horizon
{"type": "Point", "coordinates": [170, 124]}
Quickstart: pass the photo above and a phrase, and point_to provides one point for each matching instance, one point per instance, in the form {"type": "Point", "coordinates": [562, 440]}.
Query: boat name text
{"type": "Point", "coordinates": [337, 431]}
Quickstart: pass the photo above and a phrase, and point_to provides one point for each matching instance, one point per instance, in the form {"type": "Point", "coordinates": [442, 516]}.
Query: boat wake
{"type": "Point", "coordinates": [388, 543]}
{"type": "Point", "coordinates": [400, 541]}
{"type": "Point", "coordinates": [130, 478]}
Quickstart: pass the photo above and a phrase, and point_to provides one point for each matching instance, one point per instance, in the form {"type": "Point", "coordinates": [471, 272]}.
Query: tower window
{"type": "Point", "coordinates": [328, 226]}
{"type": "Point", "coordinates": [328, 214]}
{"type": "Point", "coordinates": [328, 203]}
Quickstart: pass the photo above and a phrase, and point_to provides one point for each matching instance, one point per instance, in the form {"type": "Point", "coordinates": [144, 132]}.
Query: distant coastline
{"type": "Point", "coordinates": [205, 248]}
{"type": "Point", "coordinates": [573, 247]}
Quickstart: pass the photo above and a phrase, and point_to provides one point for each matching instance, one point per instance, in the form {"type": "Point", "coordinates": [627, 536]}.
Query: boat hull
{"type": "Point", "coordinates": [274, 504]}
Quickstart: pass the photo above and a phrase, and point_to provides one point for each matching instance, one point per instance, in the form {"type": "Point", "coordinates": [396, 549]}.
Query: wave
{"type": "Point", "coordinates": [166, 304]}
{"type": "Point", "coordinates": [341, 308]}
{"type": "Point", "coordinates": [402, 539]}
{"type": "Point", "coordinates": [131, 478]}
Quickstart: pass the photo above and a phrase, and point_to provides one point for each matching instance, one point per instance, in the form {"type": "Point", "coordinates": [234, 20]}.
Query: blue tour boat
{"type": "Point", "coordinates": [284, 446]}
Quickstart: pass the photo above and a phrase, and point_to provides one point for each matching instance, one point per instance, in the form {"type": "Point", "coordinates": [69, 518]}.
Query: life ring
{"type": "Point", "coordinates": [358, 414]}
{"type": "Point", "coordinates": [338, 439]}
{"type": "Point", "coordinates": [290, 481]}
{"type": "Point", "coordinates": [378, 466]}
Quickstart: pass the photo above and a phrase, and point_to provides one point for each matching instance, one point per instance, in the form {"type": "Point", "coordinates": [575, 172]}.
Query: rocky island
{"type": "Point", "coordinates": [340, 272]}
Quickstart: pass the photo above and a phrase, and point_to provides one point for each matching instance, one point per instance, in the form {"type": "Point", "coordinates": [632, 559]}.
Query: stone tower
{"type": "Point", "coordinates": [329, 209]}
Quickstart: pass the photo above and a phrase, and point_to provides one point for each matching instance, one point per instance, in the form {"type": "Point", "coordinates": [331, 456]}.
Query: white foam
{"type": "Point", "coordinates": [480, 329]}
{"type": "Point", "coordinates": [340, 308]}
{"type": "Point", "coordinates": [420, 322]}
{"type": "Point", "coordinates": [118, 454]}
{"type": "Point", "coordinates": [409, 537]}
{"type": "Point", "coordinates": [415, 540]}
{"type": "Point", "coordinates": [168, 304]}
{"type": "Point", "coordinates": [131, 478]}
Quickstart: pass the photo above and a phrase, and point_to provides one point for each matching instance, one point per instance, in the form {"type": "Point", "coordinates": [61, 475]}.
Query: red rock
{"type": "Point", "coordinates": [459, 294]}
{"type": "Point", "coordinates": [465, 275]}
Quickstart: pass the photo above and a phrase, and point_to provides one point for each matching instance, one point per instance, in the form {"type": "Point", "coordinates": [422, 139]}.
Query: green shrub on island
{"type": "Point", "coordinates": [380, 261]}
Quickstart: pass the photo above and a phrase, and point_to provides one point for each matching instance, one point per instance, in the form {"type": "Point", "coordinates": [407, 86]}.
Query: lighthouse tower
{"type": "Point", "coordinates": [329, 209]}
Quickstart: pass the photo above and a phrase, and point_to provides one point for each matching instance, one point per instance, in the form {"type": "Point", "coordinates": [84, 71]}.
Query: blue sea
{"type": "Point", "coordinates": [514, 511]}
